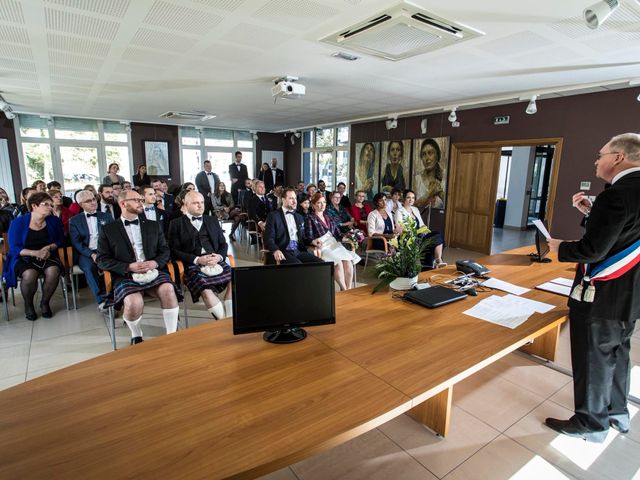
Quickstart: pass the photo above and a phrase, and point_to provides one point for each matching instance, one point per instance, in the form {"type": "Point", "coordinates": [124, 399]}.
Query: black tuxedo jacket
{"type": "Point", "coordinates": [241, 175]}
{"type": "Point", "coordinates": [182, 238]}
{"type": "Point", "coordinates": [258, 210]}
{"type": "Point", "coordinates": [267, 178]}
{"type": "Point", "coordinates": [115, 251]}
{"type": "Point", "coordinates": [115, 208]}
{"type": "Point", "coordinates": [202, 183]}
{"type": "Point", "coordinates": [276, 234]}
{"type": "Point", "coordinates": [612, 226]}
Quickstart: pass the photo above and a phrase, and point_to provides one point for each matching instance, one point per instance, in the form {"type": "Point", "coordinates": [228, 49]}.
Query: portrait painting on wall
{"type": "Point", "coordinates": [430, 160]}
{"type": "Point", "coordinates": [156, 156]}
{"type": "Point", "coordinates": [367, 168]}
{"type": "Point", "coordinates": [395, 165]}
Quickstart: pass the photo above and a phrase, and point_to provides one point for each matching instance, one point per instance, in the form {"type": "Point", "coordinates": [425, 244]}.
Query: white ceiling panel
{"type": "Point", "coordinates": [137, 59]}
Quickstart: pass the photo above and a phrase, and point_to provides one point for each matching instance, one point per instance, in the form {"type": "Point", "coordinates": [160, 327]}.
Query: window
{"type": "Point", "coordinates": [219, 147]}
{"type": "Point", "coordinates": [74, 151]}
{"type": "Point", "coordinates": [325, 156]}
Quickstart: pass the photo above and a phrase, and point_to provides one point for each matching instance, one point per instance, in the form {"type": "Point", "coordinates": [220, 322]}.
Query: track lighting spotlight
{"type": "Point", "coordinates": [532, 107]}
{"type": "Point", "coordinates": [452, 116]}
{"type": "Point", "coordinates": [297, 134]}
{"type": "Point", "coordinates": [391, 123]}
{"type": "Point", "coordinates": [293, 139]}
{"type": "Point", "coordinates": [423, 126]}
{"type": "Point", "coordinates": [597, 14]}
{"type": "Point", "coordinates": [638, 98]}
{"type": "Point", "coordinates": [9, 114]}
{"type": "Point", "coordinates": [254, 135]}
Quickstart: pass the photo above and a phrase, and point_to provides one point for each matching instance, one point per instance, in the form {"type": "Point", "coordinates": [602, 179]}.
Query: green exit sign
{"type": "Point", "coordinates": [503, 120]}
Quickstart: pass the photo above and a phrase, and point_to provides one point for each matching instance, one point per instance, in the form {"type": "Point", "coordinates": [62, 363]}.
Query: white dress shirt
{"type": "Point", "coordinates": [92, 223]}
{"type": "Point", "coordinates": [623, 173]}
{"type": "Point", "coordinates": [150, 212]}
{"type": "Point", "coordinates": [212, 182]}
{"type": "Point", "coordinates": [135, 237]}
{"type": "Point", "coordinates": [291, 225]}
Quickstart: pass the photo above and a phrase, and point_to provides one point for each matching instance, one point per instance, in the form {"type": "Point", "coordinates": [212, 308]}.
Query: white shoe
{"type": "Point", "coordinates": [439, 264]}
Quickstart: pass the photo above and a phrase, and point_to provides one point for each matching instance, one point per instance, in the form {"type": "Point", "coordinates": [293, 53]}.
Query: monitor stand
{"type": "Point", "coordinates": [289, 335]}
{"type": "Point", "coordinates": [536, 258]}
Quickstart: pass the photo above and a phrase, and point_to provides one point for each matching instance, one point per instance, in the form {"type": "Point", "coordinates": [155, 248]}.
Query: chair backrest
{"type": "Point", "coordinates": [370, 244]}
{"type": "Point", "coordinates": [5, 243]}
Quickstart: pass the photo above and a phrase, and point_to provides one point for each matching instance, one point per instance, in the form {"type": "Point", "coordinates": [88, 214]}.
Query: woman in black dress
{"type": "Point", "coordinates": [141, 178]}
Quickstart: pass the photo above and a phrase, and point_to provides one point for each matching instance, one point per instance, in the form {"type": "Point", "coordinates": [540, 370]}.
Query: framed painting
{"type": "Point", "coordinates": [156, 154]}
{"type": "Point", "coordinates": [430, 159]}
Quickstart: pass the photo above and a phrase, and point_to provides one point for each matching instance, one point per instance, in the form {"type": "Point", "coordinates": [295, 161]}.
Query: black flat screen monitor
{"type": "Point", "coordinates": [280, 299]}
{"type": "Point", "coordinates": [542, 247]}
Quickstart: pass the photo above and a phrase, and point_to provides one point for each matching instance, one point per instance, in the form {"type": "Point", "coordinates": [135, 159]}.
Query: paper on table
{"type": "Point", "coordinates": [542, 228]}
{"type": "Point", "coordinates": [567, 282]}
{"type": "Point", "coordinates": [555, 288]}
{"type": "Point", "coordinates": [504, 286]}
{"type": "Point", "coordinates": [491, 310]}
{"type": "Point", "coordinates": [534, 306]}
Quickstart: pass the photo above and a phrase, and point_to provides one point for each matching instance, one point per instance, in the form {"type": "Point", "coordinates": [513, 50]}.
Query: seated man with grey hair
{"type": "Point", "coordinates": [84, 230]}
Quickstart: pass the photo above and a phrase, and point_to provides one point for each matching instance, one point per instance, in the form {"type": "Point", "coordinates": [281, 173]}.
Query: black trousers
{"type": "Point", "coordinates": [601, 370]}
{"type": "Point", "coordinates": [291, 256]}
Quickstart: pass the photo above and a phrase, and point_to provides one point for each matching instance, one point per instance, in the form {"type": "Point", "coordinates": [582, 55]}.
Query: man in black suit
{"type": "Point", "coordinates": [284, 234]}
{"type": "Point", "coordinates": [275, 196]}
{"type": "Point", "coordinates": [604, 302]}
{"type": "Point", "coordinates": [238, 173]}
{"type": "Point", "coordinates": [274, 176]}
{"type": "Point", "coordinates": [107, 203]}
{"type": "Point", "coordinates": [207, 184]}
{"type": "Point", "coordinates": [164, 199]}
{"type": "Point", "coordinates": [150, 208]}
{"type": "Point", "coordinates": [129, 248]}
{"type": "Point", "coordinates": [84, 231]}
{"type": "Point", "coordinates": [259, 205]}
{"type": "Point", "coordinates": [198, 241]}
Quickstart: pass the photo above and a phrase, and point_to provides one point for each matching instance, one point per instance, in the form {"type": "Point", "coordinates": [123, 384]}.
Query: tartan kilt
{"type": "Point", "coordinates": [127, 286]}
{"type": "Point", "coordinates": [196, 281]}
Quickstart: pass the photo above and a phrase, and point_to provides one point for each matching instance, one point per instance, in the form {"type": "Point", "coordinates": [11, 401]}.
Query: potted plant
{"type": "Point", "coordinates": [400, 268]}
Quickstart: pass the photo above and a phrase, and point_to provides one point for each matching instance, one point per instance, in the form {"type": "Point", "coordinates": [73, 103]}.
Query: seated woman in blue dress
{"type": "Point", "coordinates": [34, 239]}
{"type": "Point", "coordinates": [433, 254]}
{"type": "Point", "coordinates": [380, 223]}
{"type": "Point", "coordinates": [318, 225]}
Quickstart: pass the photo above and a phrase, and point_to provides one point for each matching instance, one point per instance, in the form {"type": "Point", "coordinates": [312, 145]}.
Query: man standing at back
{"type": "Point", "coordinates": [238, 174]}
{"type": "Point", "coordinates": [604, 302]}
{"type": "Point", "coordinates": [207, 184]}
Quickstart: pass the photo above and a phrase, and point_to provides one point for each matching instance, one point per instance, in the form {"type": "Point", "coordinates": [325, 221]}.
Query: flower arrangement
{"type": "Point", "coordinates": [405, 252]}
{"type": "Point", "coordinates": [354, 237]}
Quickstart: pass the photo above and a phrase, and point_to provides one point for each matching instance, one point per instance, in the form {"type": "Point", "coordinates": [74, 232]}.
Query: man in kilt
{"type": "Point", "coordinates": [133, 245]}
{"type": "Point", "coordinates": [198, 241]}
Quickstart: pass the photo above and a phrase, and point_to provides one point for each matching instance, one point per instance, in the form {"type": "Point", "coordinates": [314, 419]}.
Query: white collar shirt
{"type": "Point", "coordinates": [623, 173]}
{"type": "Point", "coordinates": [150, 212]}
{"type": "Point", "coordinates": [291, 224]}
{"type": "Point", "coordinates": [135, 237]}
{"type": "Point", "coordinates": [212, 181]}
{"type": "Point", "coordinates": [92, 223]}
{"type": "Point", "coordinates": [197, 224]}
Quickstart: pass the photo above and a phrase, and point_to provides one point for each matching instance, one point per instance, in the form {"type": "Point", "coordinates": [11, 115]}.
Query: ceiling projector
{"type": "Point", "coordinates": [287, 89]}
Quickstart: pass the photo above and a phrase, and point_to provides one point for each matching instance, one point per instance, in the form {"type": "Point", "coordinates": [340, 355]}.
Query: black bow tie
{"type": "Point", "coordinates": [193, 219]}
{"type": "Point", "coordinates": [92, 214]}
{"type": "Point", "coordinates": [290, 213]}
{"type": "Point", "coordinates": [130, 222]}
{"type": "Point", "coordinates": [148, 209]}
{"type": "Point", "coordinates": [209, 173]}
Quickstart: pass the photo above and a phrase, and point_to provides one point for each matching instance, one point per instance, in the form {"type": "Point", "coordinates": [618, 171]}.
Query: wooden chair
{"type": "Point", "coordinates": [180, 276]}
{"type": "Point", "coordinates": [253, 232]}
{"type": "Point", "coordinates": [370, 250]}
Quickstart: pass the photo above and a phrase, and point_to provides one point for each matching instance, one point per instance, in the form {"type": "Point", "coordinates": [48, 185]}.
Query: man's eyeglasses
{"type": "Point", "coordinates": [49, 205]}
{"type": "Point", "coordinates": [139, 200]}
{"type": "Point", "coordinates": [600, 155]}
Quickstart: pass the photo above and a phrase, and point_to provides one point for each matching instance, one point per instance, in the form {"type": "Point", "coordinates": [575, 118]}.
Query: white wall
{"type": "Point", "coordinates": [519, 181]}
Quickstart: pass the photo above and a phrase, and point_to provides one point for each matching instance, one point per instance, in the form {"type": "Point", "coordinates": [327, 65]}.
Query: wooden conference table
{"type": "Point", "coordinates": [202, 403]}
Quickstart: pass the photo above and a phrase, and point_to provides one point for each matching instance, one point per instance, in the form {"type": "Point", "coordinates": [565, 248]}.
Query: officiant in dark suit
{"type": "Point", "coordinates": [207, 184]}
{"type": "Point", "coordinates": [84, 231]}
{"type": "Point", "coordinates": [238, 174]}
{"type": "Point", "coordinates": [604, 302]}
{"type": "Point", "coordinates": [135, 251]}
{"type": "Point", "coordinates": [198, 241]}
{"type": "Point", "coordinates": [284, 234]}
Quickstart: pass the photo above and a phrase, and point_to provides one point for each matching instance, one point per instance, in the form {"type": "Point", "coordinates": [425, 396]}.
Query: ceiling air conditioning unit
{"type": "Point", "coordinates": [192, 115]}
{"type": "Point", "coordinates": [402, 31]}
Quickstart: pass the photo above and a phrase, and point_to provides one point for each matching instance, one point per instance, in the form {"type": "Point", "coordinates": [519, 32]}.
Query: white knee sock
{"type": "Point", "coordinates": [134, 326]}
{"type": "Point", "coordinates": [228, 308]}
{"type": "Point", "coordinates": [217, 311]}
{"type": "Point", "coordinates": [170, 317]}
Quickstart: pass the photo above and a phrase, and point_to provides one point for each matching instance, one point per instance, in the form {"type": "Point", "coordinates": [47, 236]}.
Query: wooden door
{"type": "Point", "coordinates": [473, 179]}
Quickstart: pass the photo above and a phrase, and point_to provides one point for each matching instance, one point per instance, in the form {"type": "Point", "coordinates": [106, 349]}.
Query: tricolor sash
{"type": "Point", "coordinates": [608, 269]}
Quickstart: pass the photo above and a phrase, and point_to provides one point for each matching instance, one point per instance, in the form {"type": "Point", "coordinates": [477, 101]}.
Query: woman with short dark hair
{"type": "Point", "coordinates": [34, 239]}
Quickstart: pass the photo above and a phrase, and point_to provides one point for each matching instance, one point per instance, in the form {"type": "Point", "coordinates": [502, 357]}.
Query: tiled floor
{"type": "Point", "coordinates": [496, 432]}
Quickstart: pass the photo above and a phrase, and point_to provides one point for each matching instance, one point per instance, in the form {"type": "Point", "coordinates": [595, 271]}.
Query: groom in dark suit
{"type": "Point", "coordinates": [131, 246]}
{"type": "Point", "coordinates": [198, 241]}
{"type": "Point", "coordinates": [84, 230]}
{"type": "Point", "coordinates": [284, 234]}
{"type": "Point", "coordinates": [604, 304]}
{"type": "Point", "coordinates": [207, 184]}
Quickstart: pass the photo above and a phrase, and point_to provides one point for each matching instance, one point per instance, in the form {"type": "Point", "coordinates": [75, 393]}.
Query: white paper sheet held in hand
{"type": "Point", "coordinates": [508, 311]}
{"type": "Point", "coordinates": [542, 228]}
